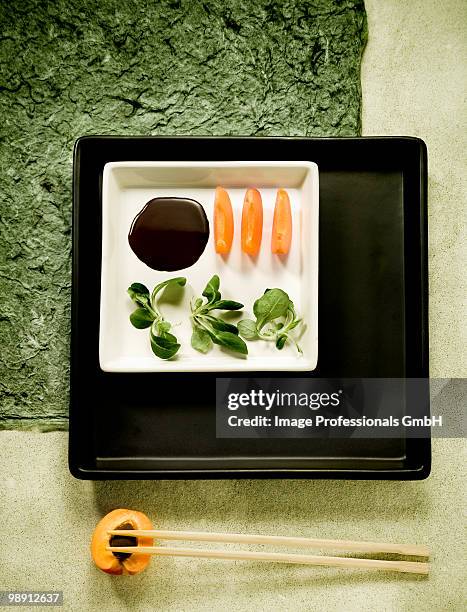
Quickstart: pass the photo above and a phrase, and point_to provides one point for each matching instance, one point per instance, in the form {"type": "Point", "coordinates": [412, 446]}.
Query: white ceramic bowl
{"type": "Point", "coordinates": [128, 186]}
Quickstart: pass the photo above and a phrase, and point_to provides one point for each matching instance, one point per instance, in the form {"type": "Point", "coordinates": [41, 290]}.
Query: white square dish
{"type": "Point", "coordinates": [128, 186]}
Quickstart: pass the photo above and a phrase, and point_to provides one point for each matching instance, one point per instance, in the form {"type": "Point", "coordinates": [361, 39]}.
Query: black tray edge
{"type": "Point", "coordinates": [420, 473]}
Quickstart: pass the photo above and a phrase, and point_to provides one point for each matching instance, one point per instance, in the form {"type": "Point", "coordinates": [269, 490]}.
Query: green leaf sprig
{"type": "Point", "coordinates": [164, 344]}
{"type": "Point", "coordinates": [208, 328]}
{"type": "Point", "coordinates": [275, 319]}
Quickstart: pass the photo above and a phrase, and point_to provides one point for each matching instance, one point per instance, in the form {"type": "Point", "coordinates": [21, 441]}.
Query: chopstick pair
{"type": "Point", "coordinates": [413, 567]}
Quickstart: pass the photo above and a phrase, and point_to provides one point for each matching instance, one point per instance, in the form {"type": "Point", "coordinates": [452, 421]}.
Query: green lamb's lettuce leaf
{"type": "Point", "coordinates": [280, 342]}
{"type": "Point", "coordinates": [140, 295]}
{"type": "Point", "coordinates": [164, 344]}
{"type": "Point", "coordinates": [275, 319]}
{"type": "Point", "coordinates": [141, 318]}
{"type": "Point", "coordinates": [179, 280]}
{"type": "Point", "coordinates": [230, 341]}
{"type": "Point", "coordinates": [247, 329]}
{"type": "Point", "coordinates": [209, 329]}
{"type": "Point", "coordinates": [211, 291]}
{"type": "Point", "coordinates": [221, 325]}
{"type": "Point", "coordinates": [164, 348]}
{"type": "Point", "coordinates": [201, 340]}
{"type": "Point", "coordinates": [225, 305]}
{"type": "Point", "coordinates": [271, 305]}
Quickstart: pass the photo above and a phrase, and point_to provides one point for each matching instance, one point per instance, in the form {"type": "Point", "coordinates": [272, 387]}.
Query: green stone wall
{"type": "Point", "coordinates": [75, 67]}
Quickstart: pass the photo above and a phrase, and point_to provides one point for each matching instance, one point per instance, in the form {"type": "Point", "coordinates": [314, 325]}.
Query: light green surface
{"type": "Point", "coordinates": [413, 83]}
{"type": "Point", "coordinates": [48, 518]}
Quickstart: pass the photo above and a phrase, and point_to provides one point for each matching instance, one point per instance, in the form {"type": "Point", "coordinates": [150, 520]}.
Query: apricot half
{"type": "Point", "coordinates": [223, 222]}
{"type": "Point", "coordinates": [120, 563]}
{"type": "Point", "coordinates": [252, 222]}
{"type": "Point", "coordinates": [282, 224]}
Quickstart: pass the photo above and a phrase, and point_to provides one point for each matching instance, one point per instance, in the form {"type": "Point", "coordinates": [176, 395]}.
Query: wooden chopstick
{"type": "Point", "coordinates": [234, 538]}
{"type": "Point", "coordinates": [412, 567]}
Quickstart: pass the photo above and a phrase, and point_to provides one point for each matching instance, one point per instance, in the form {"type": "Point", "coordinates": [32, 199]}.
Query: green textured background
{"type": "Point", "coordinates": [76, 67]}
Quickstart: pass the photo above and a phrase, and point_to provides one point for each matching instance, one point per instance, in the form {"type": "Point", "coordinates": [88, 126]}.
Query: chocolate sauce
{"type": "Point", "coordinates": [169, 233]}
{"type": "Point", "coordinates": [118, 540]}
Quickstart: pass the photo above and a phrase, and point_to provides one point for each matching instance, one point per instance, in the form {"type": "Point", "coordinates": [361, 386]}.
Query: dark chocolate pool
{"type": "Point", "coordinates": [169, 233]}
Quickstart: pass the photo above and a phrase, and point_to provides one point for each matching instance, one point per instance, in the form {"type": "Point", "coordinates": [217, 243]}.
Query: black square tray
{"type": "Point", "coordinates": [373, 318]}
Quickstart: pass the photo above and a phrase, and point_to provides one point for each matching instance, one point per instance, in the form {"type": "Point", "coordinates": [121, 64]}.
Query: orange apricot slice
{"type": "Point", "coordinates": [282, 224]}
{"type": "Point", "coordinates": [120, 563]}
{"type": "Point", "coordinates": [223, 222]}
{"type": "Point", "coordinates": [252, 222]}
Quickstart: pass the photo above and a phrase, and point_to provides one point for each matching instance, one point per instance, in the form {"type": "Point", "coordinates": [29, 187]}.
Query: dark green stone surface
{"type": "Point", "coordinates": [75, 67]}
